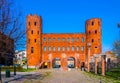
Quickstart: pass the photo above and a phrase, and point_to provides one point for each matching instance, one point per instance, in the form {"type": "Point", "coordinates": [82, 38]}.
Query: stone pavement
{"type": "Point", "coordinates": [51, 76]}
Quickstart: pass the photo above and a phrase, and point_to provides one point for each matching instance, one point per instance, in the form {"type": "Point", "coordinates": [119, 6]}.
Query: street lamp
{"type": "Point", "coordinates": [88, 62]}
{"type": "Point", "coordinates": [119, 30]}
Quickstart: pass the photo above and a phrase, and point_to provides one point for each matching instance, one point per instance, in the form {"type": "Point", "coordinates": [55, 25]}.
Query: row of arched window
{"type": "Point", "coordinates": [73, 48]}
{"type": "Point", "coordinates": [63, 39]}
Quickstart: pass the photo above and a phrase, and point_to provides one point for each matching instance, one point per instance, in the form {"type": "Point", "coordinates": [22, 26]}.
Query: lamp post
{"type": "Point", "coordinates": [88, 62]}
{"type": "Point", "coordinates": [119, 30]}
{"type": "Point", "coordinates": [63, 63]}
{"type": "Point", "coordinates": [0, 75]}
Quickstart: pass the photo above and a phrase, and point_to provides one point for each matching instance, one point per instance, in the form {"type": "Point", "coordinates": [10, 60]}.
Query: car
{"type": "Point", "coordinates": [70, 66]}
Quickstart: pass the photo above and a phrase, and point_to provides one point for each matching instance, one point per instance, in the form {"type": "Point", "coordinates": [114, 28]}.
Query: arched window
{"type": "Point", "coordinates": [92, 40]}
{"type": "Point", "coordinates": [49, 48]}
{"type": "Point", "coordinates": [44, 48]}
{"type": "Point", "coordinates": [58, 39]}
{"type": "Point", "coordinates": [63, 39]}
{"type": "Point", "coordinates": [72, 39]}
{"type": "Point", "coordinates": [82, 48]}
{"type": "Point", "coordinates": [44, 39]}
{"type": "Point", "coordinates": [29, 23]}
{"type": "Point", "coordinates": [35, 23]}
{"type": "Point", "coordinates": [32, 49]}
{"type": "Point", "coordinates": [83, 39]}
{"type": "Point", "coordinates": [38, 32]}
{"type": "Point", "coordinates": [48, 39]}
{"type": "Point", "coordinates": [92, 23]}
{"type": "Point", "coordinates": [54, 39]}
{"type": "Point", "coordinates": [77, 48]}
{"type": "Point", "coordinates": [68, 48]}
{"type": "Point", "coordinates": [32, 32]}
{"type": "Point", "coordinates": [54, 48]}
{"type": "Point", "coordinates": [68, 39]}
{"type": "Point", "coordinates": [78, 39]}
{"type": "Point", "coordinates": [95, 31]}
{"type": "Point", "coordinates": [72, 48]}
{"type": "Point", "coordinates": [35, 40]}
{"type": "Point", "coordinates": [63, 48]}
{"type": "Point", "coordinates": [58, 48]}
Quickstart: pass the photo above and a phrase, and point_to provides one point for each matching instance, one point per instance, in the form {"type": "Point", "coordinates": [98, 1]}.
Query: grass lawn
{"type": "Point", "coordinates": [105, 79]}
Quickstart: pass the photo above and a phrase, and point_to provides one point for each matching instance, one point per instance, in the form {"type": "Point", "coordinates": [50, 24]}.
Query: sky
{"type": "Point", "coordinates": [69, 16]}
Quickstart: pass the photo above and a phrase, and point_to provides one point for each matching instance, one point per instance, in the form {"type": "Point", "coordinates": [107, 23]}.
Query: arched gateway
{"type": "Point", "coordinates": [43, 48]}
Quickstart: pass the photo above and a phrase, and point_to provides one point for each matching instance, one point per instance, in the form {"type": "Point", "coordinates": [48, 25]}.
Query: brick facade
{"type": "Point", "coordinates": [6, 50]}
{"type": "Point", "coordinates": [43, 48]}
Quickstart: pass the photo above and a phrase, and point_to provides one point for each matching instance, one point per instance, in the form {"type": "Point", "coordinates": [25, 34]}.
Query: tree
{"type": "Point", "coordinates": [116, 48]}
{"type": "Point", "coordinates": [10, 22]}
{"type": "Point", "coordinates": [11, 27]}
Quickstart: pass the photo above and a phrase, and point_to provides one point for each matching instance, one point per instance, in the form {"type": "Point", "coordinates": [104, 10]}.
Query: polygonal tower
{"type": "Point", "coordinates": [93, 35]}
{"type": "Point", "coordinates": [34, 39]}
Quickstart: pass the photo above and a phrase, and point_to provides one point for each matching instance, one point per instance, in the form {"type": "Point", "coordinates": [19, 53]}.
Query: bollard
{"type": "Point", "coordinates": [14, 70]}
{"type": "Point", "coordinates": [0, 73]}
{"type": "Point", "coordinates": [7, 73]}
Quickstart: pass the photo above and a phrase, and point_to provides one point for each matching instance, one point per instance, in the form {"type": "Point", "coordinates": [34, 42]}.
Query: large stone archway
{"type": "Point", "coordinates": [56, 63]}
{"type": "Point", "coordinates": [71, 62]}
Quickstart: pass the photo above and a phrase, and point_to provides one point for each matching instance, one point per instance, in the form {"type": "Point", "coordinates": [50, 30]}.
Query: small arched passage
{"type": "Point", "coordinates": [71, 62]}
{"type": "Point", "coordinates": [56, 63]}
{"type": "Point", "coordinates": [45, 65]}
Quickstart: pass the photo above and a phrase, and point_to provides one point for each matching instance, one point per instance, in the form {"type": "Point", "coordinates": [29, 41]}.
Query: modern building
{"type": "Point", "coordinates": [61, 49]}
{"type": "Point", "coordinates": [6, 50]}
{"type": "Point", "coordinates": [20, 57]}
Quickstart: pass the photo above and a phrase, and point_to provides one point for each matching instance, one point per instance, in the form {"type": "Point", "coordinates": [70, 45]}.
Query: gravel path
{"type": "Point", "coordinates": [52, 76]}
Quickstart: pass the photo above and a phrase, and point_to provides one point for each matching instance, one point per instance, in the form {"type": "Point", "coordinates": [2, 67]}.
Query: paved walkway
{"type": "Point", "coordinates": [51, 76]}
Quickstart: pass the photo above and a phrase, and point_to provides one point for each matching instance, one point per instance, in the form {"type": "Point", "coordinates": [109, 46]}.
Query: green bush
{"type": "Point", "coordinates": [11, 68]}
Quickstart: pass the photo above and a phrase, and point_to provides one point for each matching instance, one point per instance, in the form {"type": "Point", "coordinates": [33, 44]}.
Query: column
{"type": "Point", "coordinates": [88, 59]}
{"type": "Point", "coordinates": [96, 65]}
{"type": "Point", "coordinates": [103, 58]}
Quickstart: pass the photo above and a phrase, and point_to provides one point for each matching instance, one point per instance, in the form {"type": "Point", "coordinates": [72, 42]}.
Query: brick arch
{"type": "Point", "coordinates": [54, 63]}
{"type": "Point", "coordinates": [73, 59]}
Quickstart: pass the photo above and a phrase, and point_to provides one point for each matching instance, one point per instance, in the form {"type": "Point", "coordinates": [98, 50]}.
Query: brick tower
{"type": "Point", "coordinates": [93, 35]}
{"type": "Point", "coordinates": [34, 39]}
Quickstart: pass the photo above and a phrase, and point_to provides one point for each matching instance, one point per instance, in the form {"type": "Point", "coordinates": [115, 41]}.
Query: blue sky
{"type": "Point", "coordinates": [69, 16]}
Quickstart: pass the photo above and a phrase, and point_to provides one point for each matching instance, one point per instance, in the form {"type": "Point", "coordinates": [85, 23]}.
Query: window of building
{"type": "Point", "coordinates": [58, 39]}
{"type": "Point", "coordinates": [83, 39]}
{"type": "Point", "coordinates": [54, 39]}
{"type": "Point", "coordinates": [77, 48]}
{"type": "Point", "coordinates": [44, 48]}
{"type": "Point", "coordinates": [92, 23]}
{"type": "Point", "coordinates": [68, 39]}
{"type": "Point", "coordinates": [44, 39]}
{"type": "Point", "coordinates": [38, 32]}
{"type": "Point", "coordinates": [35, 40]}
{"type": "Point", "coordinates": [72, 39]}
{"type": "Point", "coordinates": [82, 48]}
{"type": "Point", "coordinates": [29, 23]}
{"type": "Point", "coordinates": [28, 40]}
{"type": "Point", "coordinates": [32, 49]}
{"type": "Point", "coordinates": [63, 48]}
{"type": "Point", "coordinates": [98, 23]}
{"type": "Point", "coordinates": [63, 39]}
{"type": "Point", "coordinates": [32, 32]}
{"type": "Point", "coordinates": [72, 48]}
{"type": "Point", "coordinates": [35, 23]}
{"type": "Point", "coordinates": [68, 48]}
{"type": "Point", "coordinates": [89, 32]}
{"type": "Point", "coordinates": [49, 48]}
{"type": "Point", "coordinates": [48, 39]}
{"type": "Point", "coordinates": [95, 31]}
{"type": "Point", "coordinates": [54, 48]}
{"type": "Point", "coordinates": [77, 39]}
{"type": "Point", "coordinates": [95, 46]}
{"type": "Point", "coordinates": [58, 48]}
{"type": "Point", "coordinates": [92, 40]}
